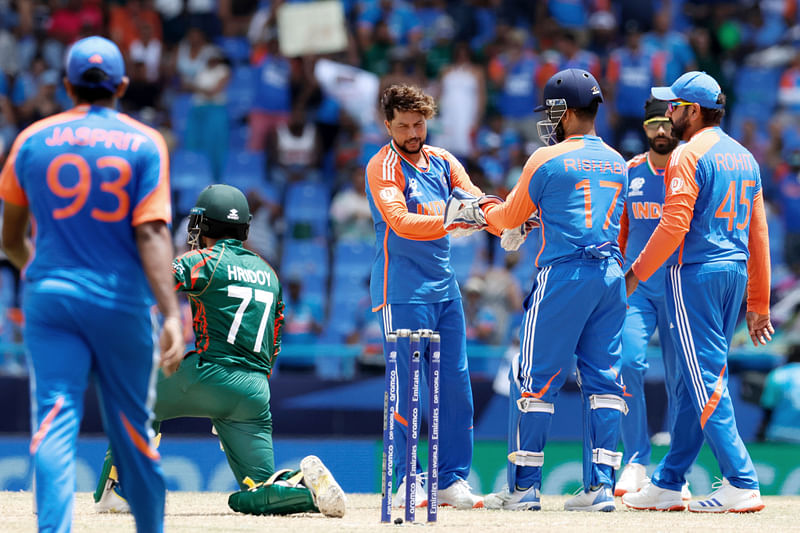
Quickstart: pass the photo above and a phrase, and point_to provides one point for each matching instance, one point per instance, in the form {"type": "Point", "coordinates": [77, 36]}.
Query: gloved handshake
{"type": "Point", "coordinates": [463, 213]}
{"type": "Point", "coordinates": [512, 239]}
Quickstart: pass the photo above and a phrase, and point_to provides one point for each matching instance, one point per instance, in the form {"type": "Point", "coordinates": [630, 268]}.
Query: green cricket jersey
{"type": "Point", "coordinates": [237, 307]}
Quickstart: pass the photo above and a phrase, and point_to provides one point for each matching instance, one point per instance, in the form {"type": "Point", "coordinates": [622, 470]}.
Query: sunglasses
{"type": "Point", "coordinates": [672, 105]}
{"type": "Point", "coordinates": [654, 124]}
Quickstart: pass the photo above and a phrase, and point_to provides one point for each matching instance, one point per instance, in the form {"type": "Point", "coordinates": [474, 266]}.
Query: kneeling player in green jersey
{"type": "Point", "coordinates": [238, 313]}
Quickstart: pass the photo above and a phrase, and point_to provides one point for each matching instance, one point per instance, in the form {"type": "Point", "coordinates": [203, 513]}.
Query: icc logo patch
{"type": "Point", "coordinates": [387, 194]}
{"type": "Point", "coordinates": [636, 187]}
{"type": "Point", "coordinates": [676, 184]}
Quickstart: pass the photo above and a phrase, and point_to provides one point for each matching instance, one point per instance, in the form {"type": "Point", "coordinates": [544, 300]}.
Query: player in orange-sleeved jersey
{"type": "Point", "coordinates": [95, 185]}
{"type": "Point", "coordinates": [413, 285]}
{"type": "Point", "coordinates": [714, 215]}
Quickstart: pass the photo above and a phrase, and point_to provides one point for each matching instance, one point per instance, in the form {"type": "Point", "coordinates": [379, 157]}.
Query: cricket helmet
{"type": "Point", "coordinates": [220, 211]}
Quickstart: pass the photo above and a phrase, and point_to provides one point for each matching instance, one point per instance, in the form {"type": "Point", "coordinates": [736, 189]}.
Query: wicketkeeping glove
{"type": "Point", "coordinates": [512, 239]}
{"type": "Point", "coordinates": [463, 214]}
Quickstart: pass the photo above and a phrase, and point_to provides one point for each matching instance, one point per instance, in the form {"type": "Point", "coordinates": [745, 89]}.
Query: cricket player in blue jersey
{"type": "Point", "coordinates": [413, 285]}
{"type": "Point", "coordinates": [577, 303]}
{"type": "Point", "coordinates": [646, 307]}
{"type": "Point", "coordinates": [95, 185]}
{"type": "Point", "coordinates": [714, 216]}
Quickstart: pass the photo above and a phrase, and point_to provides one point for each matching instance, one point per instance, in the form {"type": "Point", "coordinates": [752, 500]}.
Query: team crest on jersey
{"type": "Point", "coordinates": [387, 194]}
{"type": "Point", "coordinates": [233, 214]}
{"type": "Point", "coordinates": [413, 188]}
{"type": "Point", "coordinates": [636, 187]}
{"type": "Point", "coordinates": [676, 184]}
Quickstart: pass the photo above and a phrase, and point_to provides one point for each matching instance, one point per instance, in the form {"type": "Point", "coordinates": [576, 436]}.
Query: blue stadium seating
{"type": "Point", "coordinates": [190, 173]}
{"type": "Point", "coordinates": [757, 91]}
{"type": "Point", "coordinates": [240, 93]}
{"type": "Point", "coordinates": [467, 257]}
{"type": "Point", "coordinates": [306, 204]}
{"type": "Point", "coordinates": [352, 261]}
{"type": "Point", "coordinates": [178, 114]}
{"type": "Point", "coordinates": [303, 259]}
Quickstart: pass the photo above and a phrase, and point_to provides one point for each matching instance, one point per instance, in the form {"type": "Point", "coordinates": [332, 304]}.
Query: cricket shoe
{"type": "Point", "coordinates": [686, 494]}
{"type": "Point", "coordinates": [419, 492]}
{"type": "Point", "coordinates": [519, 500]}
{"type": "Point", "coordinates": [600, 498]}
{"type": "Point", "coordinates": [633, 478]}
{"type": "Point", "coordinates": [654, 498]}
{"type": "Point", "coordinates": [729, 499]}
{"type": "Point", "coordinates": [328, 495]}
{"type": "Point", "coordinates": [459, 495]}
{"type": "Point", "coordinates": [111, 501]}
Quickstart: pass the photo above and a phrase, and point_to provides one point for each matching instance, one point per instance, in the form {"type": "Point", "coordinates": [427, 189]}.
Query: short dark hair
{"type": "Point", "coordinates": [92, 94]}
{"type": "Point", "coordinates": [406, 98]}
{"type": "Point", "coordinates": [588, 112]}
{"type": "Point", "coordinates": [713, 117]}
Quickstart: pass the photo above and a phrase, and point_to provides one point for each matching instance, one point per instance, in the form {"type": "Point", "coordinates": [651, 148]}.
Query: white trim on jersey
{"type": "Point", "coordinates": [685, 336]}
{"type": "Point", "coordinates": [389, 164]}
{"type": "Point", "coordinates": [526, 351]}
{"type": "Point", "coordinates": [386, 315]}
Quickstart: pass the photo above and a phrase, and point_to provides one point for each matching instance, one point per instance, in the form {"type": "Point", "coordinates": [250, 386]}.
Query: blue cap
{"type": "Point", "coordinates": [695, 86]}
{"type": "Point", "coordinates": [576, 86]}
{"type": "Point", "coordinates": [95, 52]}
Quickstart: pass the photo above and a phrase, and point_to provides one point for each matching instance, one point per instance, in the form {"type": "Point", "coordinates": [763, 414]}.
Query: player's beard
{"type": "Point", "coordinates": [663, 144]}
{"type": "Point", "coordinates": [419, 142]}
{"type": "Point", "coordinates": [560, 133]}
{"type": "Point", "coordinates": [680, 127]}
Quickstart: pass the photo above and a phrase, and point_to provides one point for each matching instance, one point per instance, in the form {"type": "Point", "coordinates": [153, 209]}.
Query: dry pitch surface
{"type": "Point", "coordinates": [194, 512]}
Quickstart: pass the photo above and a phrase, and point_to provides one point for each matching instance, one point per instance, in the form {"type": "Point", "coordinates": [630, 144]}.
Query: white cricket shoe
{"type": "Point", "coordinates": [686, 494]}
{"type": "Point", "coordinates": [729, 499]}
{"type": "Point", "coordinates": [654, 498]}
{"type": "Point", "coordinates": [328, 495]}
{"type": "Point", "coordinates": [399, 500]}
{"type": "Point", "coordinates": [519, 500]}
{"type": "Point", "coordinates": [633, 478]}
{"type": "Point", "coordinates": [459, 495]}
{"type": "Point", "coordinates": [598, 499]}
{"type": "Point", "coordinates": [111, 501]}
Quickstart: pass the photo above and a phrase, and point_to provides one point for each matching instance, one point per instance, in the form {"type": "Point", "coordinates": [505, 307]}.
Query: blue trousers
{"type": "Point", "coordinates": [703, 302]}
{"type": "Point", "coordinates": [574, 308]}
{"type": "Point", "coordinates": [67, 339]}
{"type": "Point", "coordinates": [456, 411]}
{"type": "Point", "coordinates": [646, 312]}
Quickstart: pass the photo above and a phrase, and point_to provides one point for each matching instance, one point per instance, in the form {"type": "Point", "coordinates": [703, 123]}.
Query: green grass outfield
{"type": "Point", "coordinates": [194, 512]}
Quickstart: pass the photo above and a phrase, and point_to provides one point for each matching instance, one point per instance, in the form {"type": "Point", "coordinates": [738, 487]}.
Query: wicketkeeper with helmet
{"type": "Point", "coordinates": [577, 303]}
{"type": "Point", "coordinates": [237, 317]}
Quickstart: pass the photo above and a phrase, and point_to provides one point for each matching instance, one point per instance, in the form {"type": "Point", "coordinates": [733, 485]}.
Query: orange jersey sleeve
{"type": "Point", "coordinates": [10, 189]}
{"type": "Point", "coordinates": [758, 266]}
{"type": "Point", "coordinates": [518, 205]}
{"type": "Point", "coordinates": [386, 185]}
{"type": "Point", "coordinates": [676, 217]}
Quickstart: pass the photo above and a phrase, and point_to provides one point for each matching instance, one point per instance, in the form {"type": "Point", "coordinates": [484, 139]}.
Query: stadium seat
{"type": "Point", "coordinates": [245, 169]}
{"type": "Point", "coordinates": [467, 257]}
{"type": "Point", "coordinates": [179, 113]}
{"type": "Point", "coordinates": [303, 258]}
{"type": "Point", "coordinates": [352, 261]}
{"type": "Point", "coordinates": [190, 173]}
{"type": "Point", "coordinates": [760, 85]}
{"type": "Point", "coordinates": [306, 206]}
{"type": "Point", "coordinates": [240, 93]}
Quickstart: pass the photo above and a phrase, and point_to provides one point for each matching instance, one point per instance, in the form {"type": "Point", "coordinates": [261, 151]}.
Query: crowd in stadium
{"type": "Point", "coordinates": [295, 132]}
